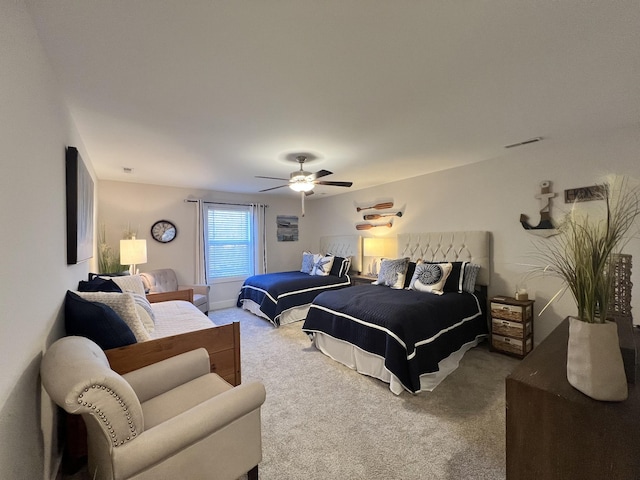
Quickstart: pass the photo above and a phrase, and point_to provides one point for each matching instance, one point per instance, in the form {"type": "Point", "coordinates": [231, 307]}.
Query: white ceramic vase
{"type": "Point", "coordinates": [594, 360]}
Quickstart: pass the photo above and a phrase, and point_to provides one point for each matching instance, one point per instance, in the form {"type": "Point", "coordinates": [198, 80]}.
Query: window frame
{"type": "Point", "coordinates": [250, 241]}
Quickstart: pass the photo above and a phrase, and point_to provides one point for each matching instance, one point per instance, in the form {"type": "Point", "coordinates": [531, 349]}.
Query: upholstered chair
{"type": "Point", "coordinates": [165, 280]}
{"type": "Point", "coordinates": [172, 419]}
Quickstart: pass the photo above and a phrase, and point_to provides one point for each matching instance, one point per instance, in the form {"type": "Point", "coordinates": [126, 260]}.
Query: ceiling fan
{"type": "Point", "coordinates": [301, 181]}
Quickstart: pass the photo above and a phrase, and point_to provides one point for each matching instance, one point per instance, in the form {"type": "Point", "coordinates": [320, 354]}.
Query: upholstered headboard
{"type": "Point", "coordinates": [449, 246]}
{"type": "Point", "coordinates": [344, 246]}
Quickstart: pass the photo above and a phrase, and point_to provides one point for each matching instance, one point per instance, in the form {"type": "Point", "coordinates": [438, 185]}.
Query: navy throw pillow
{"type": "Point", "coordinates": [95, 321]}
{"type": "Point", "coordinates": [410, 271]}
{"type": "Point", "coordinates": [338, 268]}
{"type": "Point", "coordinates": [97, 284]}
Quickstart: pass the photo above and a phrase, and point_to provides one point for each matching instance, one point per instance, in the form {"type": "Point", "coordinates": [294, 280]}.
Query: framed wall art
{"type": "Point", "coordinates": [79, 208]}
{"type": "Point", "coordinates": [585, 194]}
{"type": "Point", "coordinates": [287, 228]}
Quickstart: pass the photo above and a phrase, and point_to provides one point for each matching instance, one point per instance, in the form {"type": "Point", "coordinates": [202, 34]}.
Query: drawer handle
{"type": "Point", "coordinates": [505, 308]}
{"type": "Point", "coordinates": [504, 322]}
{"type": "Point", "coordinates": [507, 340]}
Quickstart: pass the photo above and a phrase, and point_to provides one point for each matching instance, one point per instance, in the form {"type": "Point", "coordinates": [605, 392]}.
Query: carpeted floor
{"type": "Point", "coordinates": [322, 420]}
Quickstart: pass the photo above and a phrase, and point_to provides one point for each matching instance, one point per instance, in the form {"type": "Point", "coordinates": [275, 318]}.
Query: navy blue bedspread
{"type": "Point", "coordinates": [411, 330]}
{"type": "Point", "coordinates": [278, 292]}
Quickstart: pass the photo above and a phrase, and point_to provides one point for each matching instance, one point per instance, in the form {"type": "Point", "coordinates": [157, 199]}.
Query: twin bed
{"type": "Point", "coordinates": [409, 339]}
{"type": "Point", "coordinates": [285, 297]}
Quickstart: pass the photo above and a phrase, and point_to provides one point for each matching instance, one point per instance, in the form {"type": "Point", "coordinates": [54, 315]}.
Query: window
{"type": "Point", "coordinates": [229, 250]}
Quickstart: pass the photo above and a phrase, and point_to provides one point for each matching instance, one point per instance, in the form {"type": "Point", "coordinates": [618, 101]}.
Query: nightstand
{"type": "Point", "coordinates": [362, 279]}
{"type": "Point", "coordinates": [512, 326]}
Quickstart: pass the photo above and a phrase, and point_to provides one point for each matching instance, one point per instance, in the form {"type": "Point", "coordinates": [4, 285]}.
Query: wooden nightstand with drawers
{"type": "Point", "coordinates": [511, 326]}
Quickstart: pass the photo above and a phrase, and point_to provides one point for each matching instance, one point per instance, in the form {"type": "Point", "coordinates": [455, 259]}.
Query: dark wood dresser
{"type": "Point", "coordinates": [556, 432]}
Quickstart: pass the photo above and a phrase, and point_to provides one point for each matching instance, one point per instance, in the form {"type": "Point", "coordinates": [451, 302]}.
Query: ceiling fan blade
{"type": "Point", "coordinates": [310, 192]}
{"type": "Point", "coordinates": [273, 188]}
{"type": "Point", "coordinates": [334, 184]}
{"type": "Point", "coordinates": [274, 178]}
{"type": "Point", "coordinates": [321, 173]}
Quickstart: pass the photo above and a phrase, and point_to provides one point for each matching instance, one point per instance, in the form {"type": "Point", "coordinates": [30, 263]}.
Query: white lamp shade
{"type": "Point", "coordinates": [133, 252]}
{"type": "Point", "coordinates": [373, 247]}
{"type": "Point", "coordinates": [378, 247]}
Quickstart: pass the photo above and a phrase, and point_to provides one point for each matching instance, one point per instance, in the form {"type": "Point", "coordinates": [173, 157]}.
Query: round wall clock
{"type": "Point", "coordinates": [163, 231]}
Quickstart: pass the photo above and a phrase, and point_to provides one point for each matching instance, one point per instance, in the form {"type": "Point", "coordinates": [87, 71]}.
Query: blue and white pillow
{"type": "Point", "coordinates": [322, 265]}
{"type": "Point", "coordinates": [392, 272]}
{"type": "Point", "coordinates": [307, 262]}
{"type": "Point", "coordinates": [470, 275]}
{"type": "Point", "coordinates": [430, 277]}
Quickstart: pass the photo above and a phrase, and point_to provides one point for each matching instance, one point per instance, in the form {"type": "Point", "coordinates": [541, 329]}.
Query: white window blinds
{"type": "Point", "coordinates": [229, 242]}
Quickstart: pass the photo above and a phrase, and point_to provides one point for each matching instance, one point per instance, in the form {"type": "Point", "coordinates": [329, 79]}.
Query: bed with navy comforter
{"type": "Point", "coordinates": [412, 331]}
{"type": "Point", "coordinates": [409, 336]}
{"type": "Point", "coordinates": [273, 295]}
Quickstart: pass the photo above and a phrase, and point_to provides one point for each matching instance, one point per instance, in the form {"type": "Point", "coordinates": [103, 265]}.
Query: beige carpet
{"type": "Point", "coordinates": [324, 421]}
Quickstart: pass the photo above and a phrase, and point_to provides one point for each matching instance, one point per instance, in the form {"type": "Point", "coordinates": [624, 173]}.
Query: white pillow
{"type": "Point", "coordinates": [392, 272]}
{"type": "Point", "coordinates": [146, 320]}
{"type": "Point", "coordinates": [142, 301]}
{"type": "Point", "coordinates": [322, 266]}
{"type": "Point", "coordinates": [430, 277]}
{"type": "Point", "coordinates": [125, 306]}
{"type": "Point", "coordinates": [129, 283]}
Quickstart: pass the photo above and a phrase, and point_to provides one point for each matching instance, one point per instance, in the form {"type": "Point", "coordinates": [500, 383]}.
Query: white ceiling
{"type": "Point", "coordinates": [209, 93]}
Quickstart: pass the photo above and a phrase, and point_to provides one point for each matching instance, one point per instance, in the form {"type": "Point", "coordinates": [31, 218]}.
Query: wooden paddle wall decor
{"type": "Point", "coordinates": [369, 226]}
{"type": "Point", "coordinates": [377, 206]}
{"type": "Point", "coordinates": [376, 216]}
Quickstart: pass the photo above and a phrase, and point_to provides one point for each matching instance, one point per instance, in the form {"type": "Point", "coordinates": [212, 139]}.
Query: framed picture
{"type": "Point", "coordinates": [287, 228]}
{"type": "Point", "coordinates": [585, 194]}
{"type": "Point", "coordinates": [79, 209]}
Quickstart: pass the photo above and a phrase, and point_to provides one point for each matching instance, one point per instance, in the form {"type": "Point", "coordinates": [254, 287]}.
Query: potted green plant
{"type": "Point", "coordinates": [582, 256]}
{"type": "Point", "coordinates": [108, 258]}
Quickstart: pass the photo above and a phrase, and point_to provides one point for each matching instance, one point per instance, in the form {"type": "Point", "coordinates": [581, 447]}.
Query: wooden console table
{"type": "Point", "coordinates": [556, 432]}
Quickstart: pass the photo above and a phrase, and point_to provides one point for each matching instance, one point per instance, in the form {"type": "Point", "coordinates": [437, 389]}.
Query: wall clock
{"type": "Point", "coordinates": [163, 231]}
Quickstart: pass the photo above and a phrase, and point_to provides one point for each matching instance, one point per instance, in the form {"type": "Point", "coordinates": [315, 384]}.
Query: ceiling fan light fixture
{"type": "Point", "coordinates": [301, 186]}
{"type": "Point", "coordinates": [300, 176]}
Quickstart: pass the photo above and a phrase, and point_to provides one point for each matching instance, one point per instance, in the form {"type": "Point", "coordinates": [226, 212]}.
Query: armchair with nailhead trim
{"type": "Point", "coordinates": [171, 419]}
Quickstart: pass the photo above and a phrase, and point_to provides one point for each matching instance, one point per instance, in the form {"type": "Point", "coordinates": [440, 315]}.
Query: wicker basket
{"type": "Point", "coordinates": [620, 302]}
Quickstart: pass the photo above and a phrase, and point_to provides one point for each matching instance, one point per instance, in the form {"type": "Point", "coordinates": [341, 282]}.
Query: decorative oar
{"type": "Point", "coordinates": [368, 226]}
{"type": "Point", "coordinates": [376, 216]}
{"type": "Point", "coordinates": [378, 206]}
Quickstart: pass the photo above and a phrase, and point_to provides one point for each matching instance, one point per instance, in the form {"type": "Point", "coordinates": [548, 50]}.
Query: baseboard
{"type": "Point", "coordinates": [223, 304]}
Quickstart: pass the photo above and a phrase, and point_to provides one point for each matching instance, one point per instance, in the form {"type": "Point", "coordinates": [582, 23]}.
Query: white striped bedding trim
{"type": "Point", "coordinates": [294, 292]}
{"type": "Point", "coordinates": [310, 289]}
{"type": "Point", "coordinates": [393, 335]}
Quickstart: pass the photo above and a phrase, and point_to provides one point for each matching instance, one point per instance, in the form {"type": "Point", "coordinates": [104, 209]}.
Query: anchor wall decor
{"type": "Point", "coordinates": [545, 228]}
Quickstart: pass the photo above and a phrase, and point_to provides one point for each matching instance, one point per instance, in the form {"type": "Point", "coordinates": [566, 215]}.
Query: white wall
{"type": "Point", "coordinates": [140, 206]}
{"type": "Point", "coordinates": [491, 196]}
{"type": "Point", "coordinates": [486, 196]}
{"type": "Point", "coordinates": [35, 128]}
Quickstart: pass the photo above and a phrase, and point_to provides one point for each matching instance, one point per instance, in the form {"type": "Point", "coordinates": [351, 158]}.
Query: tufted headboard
{"type": "Point", "coordinates": [449, 246]}
{"type": "Point", "coordinates": [344, 246]}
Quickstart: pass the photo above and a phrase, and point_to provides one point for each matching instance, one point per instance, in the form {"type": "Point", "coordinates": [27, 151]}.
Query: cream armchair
{"type": "Point", "coordinates": [165, 280]}
{"type": "Point", "coordinates": [172, 419]}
